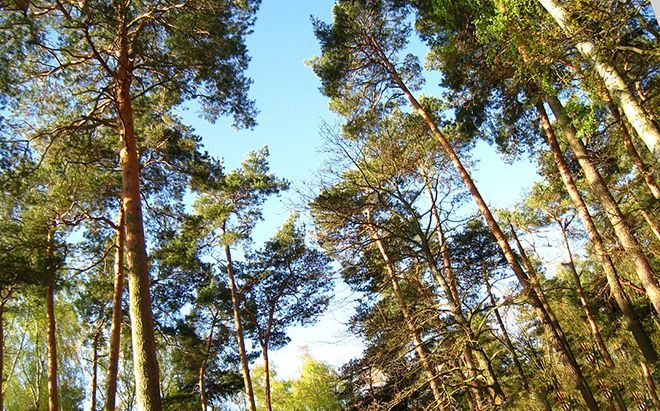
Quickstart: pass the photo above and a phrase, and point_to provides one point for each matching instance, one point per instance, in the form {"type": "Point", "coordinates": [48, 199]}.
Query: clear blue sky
{"type": "Point", "coordinates": [291, 113]}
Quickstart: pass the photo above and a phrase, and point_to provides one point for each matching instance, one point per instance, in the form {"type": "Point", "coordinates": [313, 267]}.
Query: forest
{"type": "Point", "coordinates": [131, 274]}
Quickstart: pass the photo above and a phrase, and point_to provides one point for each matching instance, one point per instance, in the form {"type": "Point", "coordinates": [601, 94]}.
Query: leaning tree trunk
{"type": "Point", "coordinates": [235, 302]}
{"type": "Point", "coordinates": [565, 353]}
{"type": "Point", "coordinates": [403, 306]}
{"type": "Point", "coordinates": [632, 320]}
{"type": "Point", "coordinates": [582, 296]}
{"type": "Point", "coordinates": [612, 211]}
{"type": "Point", "coordinates": [612, 80]}
{"type": "Point", "coordinates": [647, 174]}
{"type": "Point", "coordinates": [145, 361]}
{"type": "Point", "coordinates": [51, 336]}
{"type": "Point", "coordinates": [115, 327]}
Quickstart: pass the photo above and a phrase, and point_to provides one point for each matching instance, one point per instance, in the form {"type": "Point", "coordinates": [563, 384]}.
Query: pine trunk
{"type": "Point", "coordinates": [145, 361]}
{"type": "Point", "coordinates": [632, 320]}
{"type": "Point", "coordinates": [574, 372]}
{"type": "Point", "coordinates": [51, 336]}
{"type": "Point", "coordinates": [612, 211]}
{"type": "Point", "coordinates": [115, 327]}
{"type": "Point", "coordinates": [264, 354]}
{"type": "Point", "coordinates": [202, 368]}
{"type": "Point", "coordinates": [95, 363]}
{"type": "Point", "coordinates": [582, 296]}
{"type": "Point", "coordinates": [447, 280]}
{"type": "Point", "coordinates": [647, 174]}
{"type": "Point", "coordinates": [403, 306]}
{"type": "Point", "coordinates": [612, 80]}
{"type": "Point", "coordinates": [235, 302]}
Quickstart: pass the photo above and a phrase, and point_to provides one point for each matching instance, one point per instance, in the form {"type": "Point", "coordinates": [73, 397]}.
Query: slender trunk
{"type": "Point", "coordinates": [245, 366]}
{"type": "Point", "coordinates": [582, 296]}
{"type": "Point", "coordinates": [202, 368]}
{"type": "Point", "coordinates": [647, 174]}
{"type": "Point", "coordinates": [612, 211]}
{"type": "Point", "coordinates": [115, 327]}
{"type": "Point", "coordinates": [652, 223]}
{"type": "Point", "coordinates": [448, 283]}
{"type": "Point", "coordinates": [507, 340]}
{"type": "Point", "coordinates": [574, 371]}
{"type": "Point", "coordinates": [145, 361]}
{"type": "Point", "coordinates": [264, 354]}
{"type": "Point", "coordinates": [650, 384]}
{"type": "Point", "coordinates": [414, 333]}
{"type": "Point", "coordinates": [612, 80]}
{"type": "Point", "coordinates": [51, 339]}
{"type": "Point", "coordinates": [632, 320]}
{"type": "Point", "coordinates": [95, 363]}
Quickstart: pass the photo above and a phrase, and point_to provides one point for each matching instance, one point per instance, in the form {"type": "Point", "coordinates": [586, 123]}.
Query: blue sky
{"type": "Point", "coordinates": [292, 111]}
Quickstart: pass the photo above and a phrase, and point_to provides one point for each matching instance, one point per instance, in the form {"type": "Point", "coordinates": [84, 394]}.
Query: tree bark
{"type": "Point", "coordinates": [115, 327]}
{"type": "Point", "coordinates": [145, 361]}
{"type": "Point", "coordinates": [612, 80]}
{"type": "Point", "coordinates": [51, 338]}
{"type": "Point", "coordinates": [612, 211]}
{"type": "Point", "coordinates": [632, 320]}
{"type": "Point", "coordinates": [202, 368]}
{"type": "Point", "coordinates": [264, 354]}
{"type": "Point", "coordinates": [574, 371]}
{"type": "Point", "coordinates": [582, 296]}
{"type": "Point", "coordinates": [448, 283]}
{"type": "Point", "coordinates": [647, 174]}
{"type": "Point", "coordinates": [95, 361]}
{"type": "Point", "coordinates": [403, 306]}
{"type": "Point", "coordinates": [235, 302]}
{"type": "Point", "coordinates": [650, 384]}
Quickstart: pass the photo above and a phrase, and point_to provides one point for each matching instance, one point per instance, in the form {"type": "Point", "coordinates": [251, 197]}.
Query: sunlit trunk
{"type": "Point", "coordinates": [51, 338]}
{"type": "Point", "coordinates": [612, 80]}
{"type": "Point", "coordinates": [115, 327]}
{"type": "Point", "coordinates": [145, 361]}
{"type": "Point", "coordinates": [245, 366]}
{"type": "Point", "coordinates": [612, 211]}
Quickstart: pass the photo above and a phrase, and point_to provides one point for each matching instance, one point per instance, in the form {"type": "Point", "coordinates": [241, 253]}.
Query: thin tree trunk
{"type": "Point", "coordinates": [264, 354]}
{"type": "Point", "coordinates": [647, 174]}
{"type": "Point", "coordinates": [95, 361]}
{"type": "Point", "coordinates": [612, 80]}
{"type": "Point", "coordinates": [202, 368]}
{"type": "Point", "coordinates": [650, 220]}
{"type": "Point", "coordinates": [115, 327]}
{"type": "Point", "coordinates": [51, 339]}
{"type": "Point", "coordinates": [632, 320]}
{"type": "Point", "coordinates": [448, 283]}
{"type": "Point", "coordinates": [612, 211]}
{"type": "Point", "coordinates": [145, 361]}
{"type": "Point", "coordinates": [650, 384]}
{"type": "Point", "coordinates": [235, 302]}
{"type": "Point", "coordinates": [414, 333]}
{"type": "Point", "coordinates": [574, 371]}
{"type": "Point", "coordinates": [582, 296]}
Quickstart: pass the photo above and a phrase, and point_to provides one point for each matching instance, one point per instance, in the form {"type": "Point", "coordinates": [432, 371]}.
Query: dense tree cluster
{"type": "Point", "coordinates": [550, 304]}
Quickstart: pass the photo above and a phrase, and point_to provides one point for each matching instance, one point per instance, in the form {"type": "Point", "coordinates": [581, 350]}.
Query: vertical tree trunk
{"type": "Point", "coordinates": [115, 327]}
{"type": "Point", "coordinates": [612, 80]}
{"type": "Point", "coordinates": [414, 333]}
{"type": "Point", "coordinates": [202, 368]}
{"type": "Point", "coordinates": [145, 361]}
{"type": "Point", "coordinates": [235, 302]}
{"type": "Point", "coordinates": [51, 338]}
{"type": "Point", "coordinates": [582, 296]}
{"type": "Point", "coordinates": [632, 320]}
{"type": "Point", "coordinates": [95, 363]}
{"type": "Point", "coordinates": [264, 354]}
{"type": "Point", "coordinates": [612, 211]}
